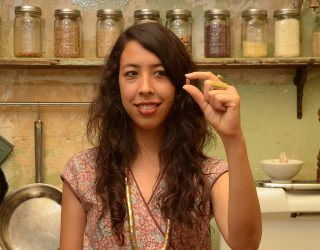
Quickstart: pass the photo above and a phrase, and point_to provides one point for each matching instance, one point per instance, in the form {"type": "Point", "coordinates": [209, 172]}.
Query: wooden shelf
{"type": "Point", "coordinates": [26, 63]}
{"type": "Point", "coordinates": [269, 62]}
{"type": "Point", "coordinates": [14, 62]}
{"type": "Point", "coordinates": [303, 66]}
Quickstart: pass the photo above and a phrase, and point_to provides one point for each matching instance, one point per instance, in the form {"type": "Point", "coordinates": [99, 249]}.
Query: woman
{"type": "Point", "coordinates": [148, 184]}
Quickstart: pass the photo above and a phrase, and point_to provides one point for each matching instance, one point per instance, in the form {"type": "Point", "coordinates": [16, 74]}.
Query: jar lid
{"type": "Point", "coordinates": [146, 12]}
{"type": "Point", "coordinates": [287, 12]}
{"type": "Point", "coordinates": [216, 12]}
{"type": "Point", "coordinates": [26, 8]}
{"type": "Point", "coordinates": [178, 12]}
{"type": "Point", "coordinates": [109, 12]}
{"type": "Point", "coordinates": [62, 12]}
{"type": "Point", "coordinates": [254, 12]}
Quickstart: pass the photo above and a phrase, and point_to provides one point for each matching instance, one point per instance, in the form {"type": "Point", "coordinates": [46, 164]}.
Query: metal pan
{"type": "Point", "coordinates": [30, 216]}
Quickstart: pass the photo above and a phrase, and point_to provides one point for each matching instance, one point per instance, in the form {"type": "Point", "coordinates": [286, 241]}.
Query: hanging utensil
{"type": "Point", "coordinates": [30, 216]}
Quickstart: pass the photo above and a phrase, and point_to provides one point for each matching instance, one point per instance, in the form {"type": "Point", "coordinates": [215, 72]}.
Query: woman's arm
{"type": "Point", "coordinates": [73, 221]}
{"type": "Point", "coordinates": [234, 197]}
{"type": "Point", "coordinates": [235, 203]}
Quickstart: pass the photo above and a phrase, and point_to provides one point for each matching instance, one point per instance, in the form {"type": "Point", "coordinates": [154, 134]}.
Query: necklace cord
{"type": "Point", "coordinates": [131, 221]}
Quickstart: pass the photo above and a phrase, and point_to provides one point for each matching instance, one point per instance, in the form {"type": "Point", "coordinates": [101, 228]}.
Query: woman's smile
{"type": "Point", "coordinates": [147, 108]}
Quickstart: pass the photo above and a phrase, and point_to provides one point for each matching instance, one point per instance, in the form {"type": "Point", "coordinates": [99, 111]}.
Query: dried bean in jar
{"type": "Point", "coordinates": [217, 41]}
{"type": "Point", "coordinates": [217, 33]}
{"type": "Point", "coordinates": [67, 37]}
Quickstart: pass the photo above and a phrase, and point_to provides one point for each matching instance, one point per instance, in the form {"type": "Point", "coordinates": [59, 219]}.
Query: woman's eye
{"type": "Point", "coordinates": [160, 73]}
{"type": "Point", "coordinates": [130, 74]}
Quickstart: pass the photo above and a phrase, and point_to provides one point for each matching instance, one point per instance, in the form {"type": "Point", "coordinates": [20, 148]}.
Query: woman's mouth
{"type": "Point", "coordinates": [147, 108]}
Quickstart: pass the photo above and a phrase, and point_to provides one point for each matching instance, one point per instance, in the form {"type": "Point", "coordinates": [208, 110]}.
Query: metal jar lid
{"type": "Point", "coordinates": [216, 12]}
{"type": "Point", "coordinates": [178, 13]}
{"type": "Point", "coordinates": [286, 13]}
{"type": "Point", "coordinates": [141, 13]}
{"type": "Point", "coordinates": [104, 13]}
{"type": "Point", "coordinates": [254, 13]}
{"type": "Point", "coordinates": [25, 8]}
{"type": "Point", "coordinates": [65, 12]}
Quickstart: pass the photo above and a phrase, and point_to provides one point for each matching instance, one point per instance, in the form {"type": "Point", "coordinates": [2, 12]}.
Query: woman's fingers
{"type": "Point", "coordinates": [202, 75]}
{"type": "Point", "coordinates": [197, 95]}
{"type": "Point", "coordinates": [217, 101]}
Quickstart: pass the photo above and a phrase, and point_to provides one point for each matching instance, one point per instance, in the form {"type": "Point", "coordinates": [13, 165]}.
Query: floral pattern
{"type": "Point", "coordinates": [149, 224]}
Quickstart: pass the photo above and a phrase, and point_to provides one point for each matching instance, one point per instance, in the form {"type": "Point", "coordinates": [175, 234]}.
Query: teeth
{"type": "Point", "coordinates": [147, 106]}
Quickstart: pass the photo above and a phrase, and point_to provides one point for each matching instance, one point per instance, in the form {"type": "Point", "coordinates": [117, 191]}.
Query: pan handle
{"type": "Point", "coordinates": [38, 150]}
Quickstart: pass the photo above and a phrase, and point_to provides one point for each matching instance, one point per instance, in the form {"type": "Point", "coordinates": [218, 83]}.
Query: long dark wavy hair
{"type": "Point", "coordinates": [185, 135]}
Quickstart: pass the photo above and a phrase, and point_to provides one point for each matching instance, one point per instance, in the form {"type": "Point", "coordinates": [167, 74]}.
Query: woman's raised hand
{"type": "Point", "coordinates": [220, 107]}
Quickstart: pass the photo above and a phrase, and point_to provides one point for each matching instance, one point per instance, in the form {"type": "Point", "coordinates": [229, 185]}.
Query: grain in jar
{"type": "Point", "coordinates": [316, 36]}
{"type": "Point", "coordinates": [67, 33]}
{"type": "Point", "coordinates": [146, 15]}
{"type": "Point", "coordinates": [27, 31]}
{"type": "Point", "coordinates": [217, 33]}
{"type": "Point", "coordinates": [109, 27]}
{"type": "Point", "coordinates": [179, 21]}
{"type": "Point", "coordinates": [254, 33]}
{"type": "Point", "coordinates": [286, 33]}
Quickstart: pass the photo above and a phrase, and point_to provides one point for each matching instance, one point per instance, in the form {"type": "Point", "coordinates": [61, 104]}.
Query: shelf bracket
{"type": "Point", "coordinates": [299, 80]}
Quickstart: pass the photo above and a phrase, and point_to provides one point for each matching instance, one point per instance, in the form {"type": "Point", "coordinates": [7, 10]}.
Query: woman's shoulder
{"type": "Point", "coordinates": [213, 168]}
{"type": "Point", "coordinates": [214, 164]}
{"type": "Point", "coordinates": [84, 158]}
{"type": "Point", "coordinates": [81, 164]}
{"type": "Point", "coordinates": [80, 175]}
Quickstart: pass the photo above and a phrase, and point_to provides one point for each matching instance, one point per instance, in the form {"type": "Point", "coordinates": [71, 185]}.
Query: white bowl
{"type": "Point", "coordinates": [281, 172]}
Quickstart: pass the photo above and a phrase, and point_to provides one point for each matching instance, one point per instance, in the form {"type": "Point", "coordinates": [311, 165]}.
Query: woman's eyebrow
{"type": "Point", "coordinates": [133, 65]}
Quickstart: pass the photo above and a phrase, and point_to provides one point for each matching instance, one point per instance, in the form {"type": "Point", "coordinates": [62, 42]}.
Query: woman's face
{"type": "Point", "coordinates": [146, 92]}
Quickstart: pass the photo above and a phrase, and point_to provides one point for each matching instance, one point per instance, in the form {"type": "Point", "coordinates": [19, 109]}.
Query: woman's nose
{"type": "Point", "coordinates": [146, 85]}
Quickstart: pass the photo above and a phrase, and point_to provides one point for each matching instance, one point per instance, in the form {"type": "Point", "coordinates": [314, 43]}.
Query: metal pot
{"type": "Point", "coordinates": [30, 216]}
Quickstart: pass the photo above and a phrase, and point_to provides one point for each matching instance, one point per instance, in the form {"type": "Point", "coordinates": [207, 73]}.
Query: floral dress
{"type": "Point", "coordinates": [150, 226]}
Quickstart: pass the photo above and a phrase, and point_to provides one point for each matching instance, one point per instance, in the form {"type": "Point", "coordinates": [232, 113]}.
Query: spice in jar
{"type": "Point", "coordinates": [287, 33]}
{"type": "Point", "coordinates": [217, 33]}
{"type": "Point", "coordinates": [146, 15]}
{"type": "Point", "coordinates": [27, 31]}
{"type": "Point", "coordinates": [316, 36]}
{"type": "Point", "coordinates": [179, 21]}
{"type": "Point", "coordinates": [109, 27]}
{"type": "Point", "coordinates": [67, 33]}
{"type": "Point", "coordinates": [254, 33]}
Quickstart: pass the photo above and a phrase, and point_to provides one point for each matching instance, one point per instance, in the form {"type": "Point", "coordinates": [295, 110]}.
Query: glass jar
{"type": "Point", "coordinates": [67, 33]}
{"type": "Point", "coordinates": [109, 27]}
{"type": "Point", "coordinates": [316, 36]}
{"type": "Point", "coordinates": [286, 33]}
{"type": "Point", "coordinates": [27, 31]}
{"type": "Point", "coordinates": [254, 33]}
{"type": "Point", "coordinates": [179, 21]}
{"type": "Point", "coordinates": [146, 15]}
{"type": "Point", "coordinates": [217, 33]}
